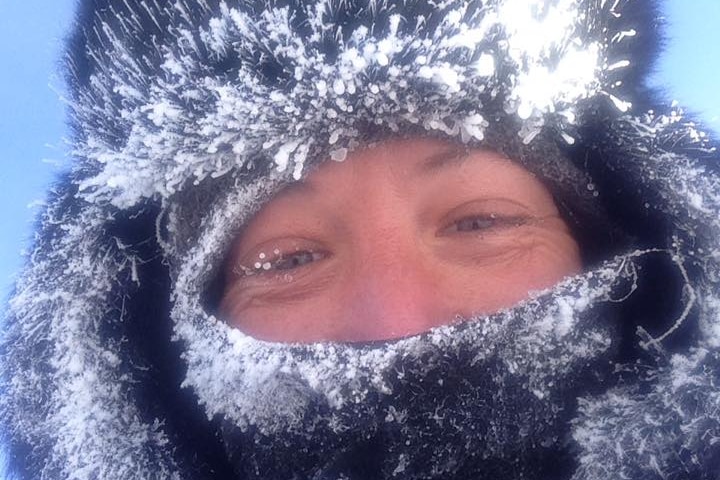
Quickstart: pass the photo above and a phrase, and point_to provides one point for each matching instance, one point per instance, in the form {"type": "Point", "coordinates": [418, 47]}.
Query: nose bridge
{"type": "Point", "coordinates": [394, 290]}
{"type": "Point", "coordinates": [386, 245]}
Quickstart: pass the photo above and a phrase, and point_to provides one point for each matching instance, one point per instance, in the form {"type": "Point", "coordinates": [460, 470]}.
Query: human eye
{"type": "Point", "coordinates": [472, 224]}
{"type": "Point", "coordinates": [279, 261]}
{"type": "Point", "coordinates": [482, 223]}
{"type": "Point", "coordinates": [296, 260]}
{"type": "Point", "coordinates": [277, 271]}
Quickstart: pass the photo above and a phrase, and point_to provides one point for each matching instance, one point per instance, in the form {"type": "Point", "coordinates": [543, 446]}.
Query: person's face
{"type": "Point", "coordinates": [395, 240]}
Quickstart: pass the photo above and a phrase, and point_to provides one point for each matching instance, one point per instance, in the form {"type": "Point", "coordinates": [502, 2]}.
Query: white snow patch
{"type": "Point", "coordinates": [485, 65]}
{"type": "Point", "coordinates": [339, 154]}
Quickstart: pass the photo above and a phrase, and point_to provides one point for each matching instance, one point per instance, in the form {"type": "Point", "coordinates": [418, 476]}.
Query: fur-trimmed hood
{"type": "Point", "coordinates": [189, 115]}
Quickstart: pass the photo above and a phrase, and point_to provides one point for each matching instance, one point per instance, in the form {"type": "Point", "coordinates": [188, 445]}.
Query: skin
{"type": "Point", "coordinates": [399, 238]}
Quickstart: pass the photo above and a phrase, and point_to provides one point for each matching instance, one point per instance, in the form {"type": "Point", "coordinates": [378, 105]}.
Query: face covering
{"type": "Point", "coordinates": [484, 397]}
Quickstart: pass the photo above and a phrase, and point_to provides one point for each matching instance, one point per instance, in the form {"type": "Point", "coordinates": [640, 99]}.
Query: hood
{"type": "Point", "coordinates": [189, 116]}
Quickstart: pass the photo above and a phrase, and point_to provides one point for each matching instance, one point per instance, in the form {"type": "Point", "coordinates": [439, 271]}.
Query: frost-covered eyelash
{"type": "Point", "coordinates": [265, 265]}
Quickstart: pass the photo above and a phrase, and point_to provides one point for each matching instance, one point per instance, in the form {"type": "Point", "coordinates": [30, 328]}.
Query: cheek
{"type": "Point", "coordinates": [547, 264]}
{"type": "Point", "coordinates": [284, 319]}
{"type": "Point", "coordinates": [538, 263]}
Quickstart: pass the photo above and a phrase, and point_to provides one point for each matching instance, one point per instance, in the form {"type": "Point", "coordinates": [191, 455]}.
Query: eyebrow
{"type": "Point", "coordinates": [297, 186]}
{"type": "Point", "coordinates": [448, 158]}
{"type": "Point", "coordinates": [451, 157]}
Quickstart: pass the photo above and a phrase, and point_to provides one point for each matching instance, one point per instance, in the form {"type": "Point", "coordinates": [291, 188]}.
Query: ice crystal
{"type": "Point", "coordinates": [177, 114]}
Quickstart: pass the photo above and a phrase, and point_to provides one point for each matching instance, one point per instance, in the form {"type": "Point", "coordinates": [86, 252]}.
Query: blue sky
{"type": "Point", "coordinates": [33, 150]}
{"type": "Point", "coordinates": [32, 125]}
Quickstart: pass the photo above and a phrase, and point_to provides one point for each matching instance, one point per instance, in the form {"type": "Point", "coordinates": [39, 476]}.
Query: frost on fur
{"type": "Point", "coordinates": [181, 122]}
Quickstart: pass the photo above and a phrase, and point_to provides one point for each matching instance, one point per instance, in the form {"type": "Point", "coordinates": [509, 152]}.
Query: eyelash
{"type": "Point", "coordinates": [282, 263]}
{"type": "Point", "coordinates": [482, 223]}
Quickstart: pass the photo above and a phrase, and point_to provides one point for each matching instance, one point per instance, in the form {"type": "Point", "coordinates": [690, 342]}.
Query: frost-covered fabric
{"type": "Point", "coordinates": [489, 397]}
{"type": "Point", "coordinates": [188, 117]}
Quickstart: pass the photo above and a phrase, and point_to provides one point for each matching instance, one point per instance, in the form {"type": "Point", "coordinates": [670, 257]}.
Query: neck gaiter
{"type": "Point", "coordinates": [484, 397]}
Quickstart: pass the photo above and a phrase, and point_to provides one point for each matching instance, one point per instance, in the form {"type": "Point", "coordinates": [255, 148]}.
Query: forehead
{"type": "Point", "coordinates": [408, 160]}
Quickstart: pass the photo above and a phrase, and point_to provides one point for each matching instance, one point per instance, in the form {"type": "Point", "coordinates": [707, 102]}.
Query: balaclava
{"type": "Point", "coordinates": [190, 115]}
